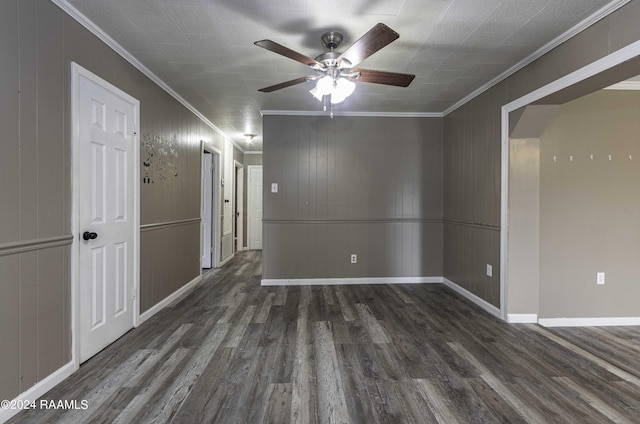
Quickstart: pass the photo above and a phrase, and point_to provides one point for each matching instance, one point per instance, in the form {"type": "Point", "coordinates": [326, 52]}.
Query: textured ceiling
{"type": "Point", "coordinates": [203, 49]}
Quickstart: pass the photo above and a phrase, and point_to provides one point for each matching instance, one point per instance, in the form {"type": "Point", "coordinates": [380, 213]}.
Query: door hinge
{"type": "Point", "coordinates": [133, 293]}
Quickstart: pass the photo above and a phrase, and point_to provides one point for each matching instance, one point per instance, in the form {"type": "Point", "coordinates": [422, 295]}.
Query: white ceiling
{"type": "Point", "coordinates": [203, 49]}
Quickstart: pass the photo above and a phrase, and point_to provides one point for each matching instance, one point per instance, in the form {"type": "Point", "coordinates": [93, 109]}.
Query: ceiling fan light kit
{"type": "Point", "coordinates": [335, 77]}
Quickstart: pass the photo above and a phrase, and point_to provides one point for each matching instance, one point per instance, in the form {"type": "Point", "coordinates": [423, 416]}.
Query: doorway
{"type": "Point", "coordinates": [238, 207]}
{"type": "Point", "coordinates": [514, 241]}
{"type": "Point", "coordinates": [210, 208]}
{"type": "Point", "coordinates": [105, 212]}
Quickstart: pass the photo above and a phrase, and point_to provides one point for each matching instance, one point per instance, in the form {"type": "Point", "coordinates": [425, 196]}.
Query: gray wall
{"type": "Point", "coordinates": [37, 44]}
{"type": "Point", "coordinates": [369, 186]}
{"type": "Point", "coordinates": [472, 151]}
{"type": "Point", "coordinates": [589, 208]}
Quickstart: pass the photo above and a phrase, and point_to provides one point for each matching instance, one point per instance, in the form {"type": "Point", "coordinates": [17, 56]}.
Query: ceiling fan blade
{"type": "Point", "coordinates": [285, 84]}
{"type": "Point", "coordinates": [377, 37]}
{"type": "Point", "coordinates": [386, 78]}
{"type": "Point", "coordinates": [287, 52]}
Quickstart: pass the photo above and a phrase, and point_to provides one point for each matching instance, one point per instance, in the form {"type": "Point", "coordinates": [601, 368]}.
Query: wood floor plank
{"type": "Point", "coordinates": [277, 405]}
{"type": "Point", "coordinates": [208, 398]}
{"type": "Point", "coordinates": [182, 385]}
{"type": "Point", "coordinates": [263, 313]}
{"type": "Point", "coordinates": [232, 351]}
{"type": "Point", "coordinates": [143, 397]}
{"type": "Point", "coordinates": [237, 332]}
{"type": "Point", "coordinates": [500, 388]}
{"type": "Point", "coordinates": [371, 324]}
{"type": "Point", "coordinates": [596, 402]}
{"type": "Point", "coordinates": [437, 404]}
{"type": "Point", "coordinates": [109, 385]}
{"type": "Point", "coordinates": [331, 400]}
{"type": "Point", "coordinates": [302, 410]}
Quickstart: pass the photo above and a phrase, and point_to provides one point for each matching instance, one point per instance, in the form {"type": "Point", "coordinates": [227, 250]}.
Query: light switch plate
{"type": "Point", "coordinates": [274, 187]}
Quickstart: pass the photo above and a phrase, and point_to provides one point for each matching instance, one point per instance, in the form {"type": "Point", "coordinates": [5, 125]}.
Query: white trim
{"type": "Point", "coordinates": [625, 85]}
{"type": "Point", "coordinates": [39, 389]}
{"type": "Point", "coordinates": [504, 212]}
{"type": "Point", "coordinates": [238, 205]}
{"type": "Point", "coordinates": [600, 65]}
{"type": "Point", "coordinates": [626, 53]}
{"type": "Point", "coordinates": [78, 71]}
{"type": "Point", "coordinates": [355, 113]}
{"type": "Point", "coordinates": [522, 318]}
{"type": "Point", "coordinates": [589, 322]}
{"type": "Point", "coordinates": [350, 281]}
{"type": "Point", "coordinates": [105, 38]}
{"type": "Point", "coordinates": [251, 200]}
{"type": "Point", "coordinates": [493, 310]}
{"type": "Point", "coordinates": [173, 297]}
{"type": "Point", "coordinates": [586, 23]}
{"type": "Point", "coordinates": [253, 152]}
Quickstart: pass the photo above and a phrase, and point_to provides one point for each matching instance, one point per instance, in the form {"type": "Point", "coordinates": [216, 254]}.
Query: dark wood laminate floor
{"type": "Point", "coordinates": [235, 352]}
{"type": "Point", "coordinates": [618, 345]}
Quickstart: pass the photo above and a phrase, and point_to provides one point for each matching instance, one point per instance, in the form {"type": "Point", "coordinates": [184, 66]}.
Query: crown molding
{"type": "Point", "coordinates": [625, 85]}
{"type": "Point", "coordinates": [113, 44]}
{"type": "Point", "coordinates": [360, 114]}
{"type": "Point", "coordinates": [598, 15]}
{"type": "Point", "coordinates": [253, 152]}
{"type": "Point", "coordinates": [94, 29]}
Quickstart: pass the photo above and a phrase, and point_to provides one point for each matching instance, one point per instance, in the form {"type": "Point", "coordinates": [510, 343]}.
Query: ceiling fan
{"type": "Point", "coordinates": [334, 72]}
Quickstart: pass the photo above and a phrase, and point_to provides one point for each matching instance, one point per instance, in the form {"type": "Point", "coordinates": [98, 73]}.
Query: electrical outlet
{"type": "Point", "coordinates": [354, 258]}
{"type": "Point", "coordinates": [274, 187]}
{"type": "Point", "coordinates": [489, 271]}
{"type": "Point", "coordinates": [600, 278]}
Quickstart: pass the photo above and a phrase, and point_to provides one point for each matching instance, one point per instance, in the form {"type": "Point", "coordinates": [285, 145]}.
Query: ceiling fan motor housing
{"type": "Point", "coordinates": [331, 40]}
{"type": "Point", "coordinates": [330, 60]}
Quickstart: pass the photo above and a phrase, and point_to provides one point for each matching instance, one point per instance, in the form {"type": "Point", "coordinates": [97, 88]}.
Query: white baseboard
{"type": "Point", "coordinates": [350, 281]}
{"type": "Point", "coordinates": [39, 389]}
{"type": "Point", "coordinates": [475, 299]}
{"type": "Point", "coordinates": [522, 318]}
{"type": "Point", "coordinates": [169, 299]}
{"type": "Point", "coordinates": [589, 322]}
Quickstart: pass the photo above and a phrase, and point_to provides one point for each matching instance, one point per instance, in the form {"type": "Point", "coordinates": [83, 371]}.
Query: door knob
{"type": "Point", "coordinates": [87, 235]}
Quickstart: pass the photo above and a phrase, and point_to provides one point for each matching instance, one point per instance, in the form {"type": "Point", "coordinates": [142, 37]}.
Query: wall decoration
{"type": "Point", "coordinates": [159, 159]}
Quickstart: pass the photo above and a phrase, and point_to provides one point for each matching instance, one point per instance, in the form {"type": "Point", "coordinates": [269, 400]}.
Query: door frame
{"type": "Point", "coordinates": [238, 204]}
{"type": "Point", "coordinates": [250, 201]}
{"type": "Point", "coordinates": [215, 210]}
{"type": "Point", "coordinates": [593, 68]}
{"type": "Point", "coordinates": [78, 72]}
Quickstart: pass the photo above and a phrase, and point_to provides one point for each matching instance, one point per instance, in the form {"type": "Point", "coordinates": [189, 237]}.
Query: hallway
{"type": "Point", "coordinates": [232, 351]}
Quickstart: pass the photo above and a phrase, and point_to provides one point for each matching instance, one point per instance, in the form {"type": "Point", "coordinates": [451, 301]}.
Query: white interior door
{"type": "Point", "coordinates": [254, 206]}
{"type": "Point", "coordinates": [207, 208]}
{"type": "Point", "coordinates": [105, 157]}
